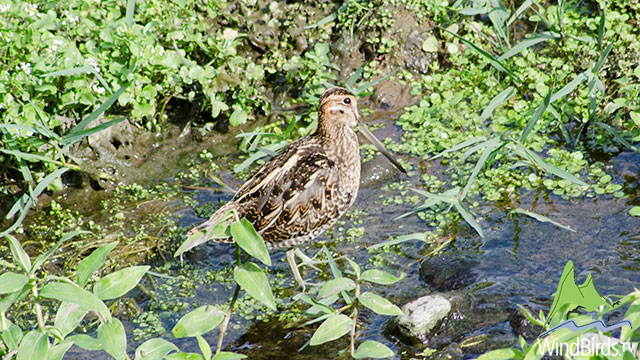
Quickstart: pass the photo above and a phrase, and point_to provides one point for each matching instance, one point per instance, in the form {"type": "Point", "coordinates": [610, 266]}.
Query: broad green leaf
{"type": "Point", "coordinates": [251, 278]}
{"type": "Point", "coordinates": [19, 255]}
{"type": "Point", "coordinates": [155, 349]}
{"type": "Point", "coordinates": [354, 265]}
{"type": "Point", "coordinates": [225, 355]}
{"type": "Point", "coordinates": [92, 262]}
{"type": "Point", "coordinates": [7, 301]}
{"type": "Point", "coordinates": [372, 349]}
{"type": "Point", "coordinates": [57, 352]}
{"type": "Point", "coordinates": [73, 294]}
{"type": "Point", "coordinates": [379, 277]}
{"type": "Point", "coordinates": [501, 354]}
{"type": "Point", "coordinates": [205, 349]}
{"type": "Point", "coordinates": [633, 315]}
{"type": "Point", "coordinates": [540, 218]}
{"type": "Point", "coordinates": [500, 99]}
{"type": "Point", "coordinates": [12, 336]}
{"type": "Point", "coordinates": [184, 356]}
{"type": "Point", "coordinates": [379, 304]}
{"type": "Point", "coordinates": [10, 282]}
{"type": "Point", "coordinates": [335, 286]}
{"type": "Point", "coordinates": [238, 117]}
{"type": "Point", "coordinates": [430, 44]}
{"type": "Point", "coordinates": [113, 338]}
{"type": "Point", "coordinates": [334, 327]}
{"type": "Point", "coordinates": [469, 218]}
{"type": "Point", "coordinates": [119, 283]}
{"type": "Point", "coordinates": [250, 241]}
{"type": "Point", "coordinates": [68, 317]}
{"type": "Point", "coordinates": [634, 211]}
{"type": "Point", "coordinates": [34, 346]}
{"type": "Point", "coordinates": [86, 342]}
{"type": "Point", "coordinates": [198, 322]}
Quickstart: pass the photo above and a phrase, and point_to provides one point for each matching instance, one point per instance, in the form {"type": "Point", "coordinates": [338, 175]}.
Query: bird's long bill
{"type": "Point", "coordinates": [374, 140]}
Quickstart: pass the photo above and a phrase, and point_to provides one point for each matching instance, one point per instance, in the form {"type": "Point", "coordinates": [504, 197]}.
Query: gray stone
{"type": "Point", "coordinates": [422, 316]}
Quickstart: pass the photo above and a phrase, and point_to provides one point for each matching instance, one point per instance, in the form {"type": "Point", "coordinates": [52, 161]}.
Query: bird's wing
{"type": "Point", "coordinates": [293, 199]}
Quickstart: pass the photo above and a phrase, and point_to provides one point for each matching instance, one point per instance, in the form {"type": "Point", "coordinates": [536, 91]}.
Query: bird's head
{"type": "Point", "coordinates": [339, 106]}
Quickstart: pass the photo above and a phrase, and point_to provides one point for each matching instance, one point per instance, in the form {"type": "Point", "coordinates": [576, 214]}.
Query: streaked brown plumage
{"type": "Point", "coordinates": [301, 192]}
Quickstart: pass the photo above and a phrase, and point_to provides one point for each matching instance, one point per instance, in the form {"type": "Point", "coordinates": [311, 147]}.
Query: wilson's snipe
{"type": "Point", "coordinates": [301, 192]}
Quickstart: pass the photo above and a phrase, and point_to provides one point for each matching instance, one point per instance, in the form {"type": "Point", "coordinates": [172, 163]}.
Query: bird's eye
{"type": "Point", "coordinates": [347, 101]}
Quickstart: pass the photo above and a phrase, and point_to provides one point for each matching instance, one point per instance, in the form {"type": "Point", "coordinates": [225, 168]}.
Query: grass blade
{"type": "Point", "coordinates": [546, 166]}
{"type": "Point", "coordinates": [462, 145]}
{"type": "Point", "coordinates": [540, 218]}
{"type": "Point", "coordinates": [131, 8]}
{"type": "Point", "coordinates": [492, 59]}
{"type": "Point", "coordinates": [368, 84]}
{"type": "Point", "coordinates": [617, 136]}
{"type": "Point", "coordinates": [97, 112]}
{"type": "Point", "coordinates": [519, 47]}
{"type": "Point", "coordinates": [572, 85]}
{"type": "Point", "coordinates": [469, 218]}
{"type": "Point", "coordinates": [536, 116]}
{"type": "Point", "coordinates": [521, 9]}
{"type": "Point", "coordinates": [354, 77]}
{"type": "Point", "coordinates": [498, 100]}
{"type": "Point", "coordinates": [71, 138]}
{"type": "Point", "coordinates": [489, 146]}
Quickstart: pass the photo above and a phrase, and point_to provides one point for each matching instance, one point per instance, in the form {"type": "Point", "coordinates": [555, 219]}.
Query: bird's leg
{"type": "Point", "coordinates": [291, 259]}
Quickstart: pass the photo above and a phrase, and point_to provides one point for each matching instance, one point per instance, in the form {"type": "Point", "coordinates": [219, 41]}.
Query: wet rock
{"type": "Point", "coordinates": [390, 95]}
{"type": "Point", "coordinates": [421, 317]}
{"type": "Point", "coordinates": [452, 352]}
{"type": "Point", "coordinates": [496, 336]}
{"type": "Point", "coordinates": [449, 271]}
{"type": "Point", "coordinates": [410, 33]}
{"type": "Point", "coordinates": [377, 171]}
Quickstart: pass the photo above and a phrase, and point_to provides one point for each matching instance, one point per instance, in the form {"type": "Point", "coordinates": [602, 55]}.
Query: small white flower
{"type": "Point", "coordinates": [32, 9]}
{"type": "Point", "coordinates": [444, 135]}
{"type": "Point", "coordinates": [93, 63]}
{"type": "Point", "coordinates": [99, 89]}
{"type": "Point", "coordinates": [4, 8]}
{"type": "Point", "coordinates": [26, 67]}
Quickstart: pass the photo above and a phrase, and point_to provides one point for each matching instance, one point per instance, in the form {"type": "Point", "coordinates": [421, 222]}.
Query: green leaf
{"type": "Point", "coordinates": [489, 146]}
{"type": "Point", "coordinates": [336, 286]}
{"type": "Point", "coordinates": [198, 322]}
{"type": "Point", "coordinates": [251, 278]}
{"type": "Point", "coordinates": [119, 283]}
{"type": "Point", "coordinates": [546, 166]}
{"type": "Point", "coordinates": [616, 135]}
{"type": "Point", "coordinates": [184, 356]}
{"type": "Point", "coordinates": [68, 317]}
{"type": "Point", "coordinates": [634, 211]}
{"type": "Point", "coordinates": [19, 255]}
{"type": "Point", "coordinates": [73, 71]}
{"type": "Point", "coordinates": [44, 257]}
{"type": "Point", "coordinates": [469, 218]}
{"type": "Point", "coordinates": [34, 345]}
{"type": "Point", "coordinates": [10, 282]}
{"type": "Point", "coordinates": [101, 109]}
{"type": "Point", "coordinates": [12, 336]}
{"type": "Point", "coordinates": [86, 342]}
{"type": "Point", "coordinates": [540, 218]}
{"type": "Point", "coordinates": [501, 354]}
{"type": "Point", "coordinates": [372, 349]}
{"type": "Point", "coordinates": [250, 241]}
{"type": "Point", "coordinates": [492, 59]}
{"type": "Point", "coordinates": [92, 262]}
{"type": "Point", "coordinates": [113, 338]}
{"type": "Point", "coordinates": [430, 44]}
{"type": "Point", "coordinates": [219, 230]}
{"type": "Point", "coordinates": [205, 349]}
{"type": "Point", "coordinates": [57, 352]}
{"type": "Point", "coordinates": [238, 117]}
{"type": "Point", "coordinates": [379, 277]}
{"type": "Point", "coordinates": [379, 304]}
{"type": "Point", "coordinates": [155, 349]}
{"type": "Point", "coordinates": [73, 294]}
{"type": "Point", "coordinates": [71, 138]}
{"type": "Point", "coordinates": [519, 47]}
{"type": "Point", "coordinates": [334, 327]}
{"type": "Point", "coordinates": [498, 100]}
{"type": "Point", "coordinates": [572, 85]}
{"type": "Point", "coordinates": [225, 355]}
{"type": "Point", "coordinates": [131, 8]}
{"type": "Point", "coordinates": [536, 116]}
